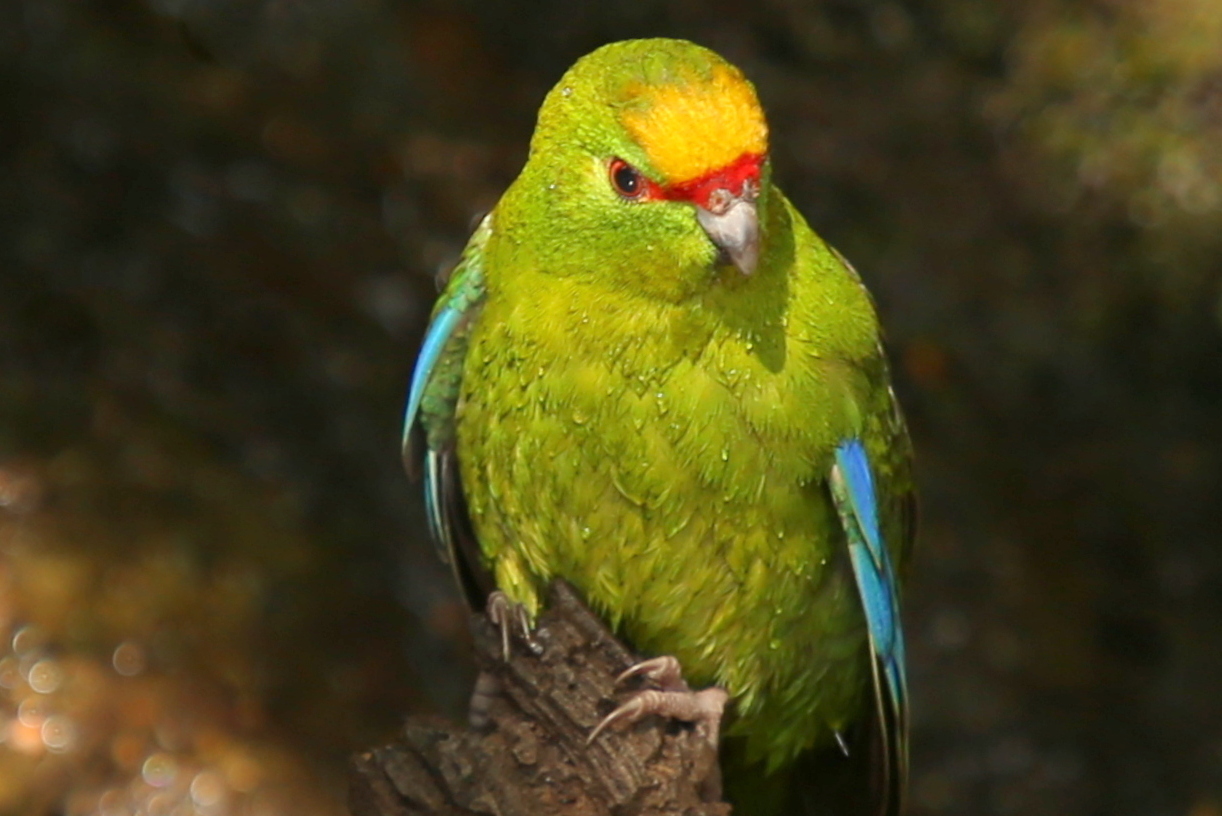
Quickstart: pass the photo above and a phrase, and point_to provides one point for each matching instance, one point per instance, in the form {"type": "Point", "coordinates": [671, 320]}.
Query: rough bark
{"type": "Point", "coordinates": [533, 758]}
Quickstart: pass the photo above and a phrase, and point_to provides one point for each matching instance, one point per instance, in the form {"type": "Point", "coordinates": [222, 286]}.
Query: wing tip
{"type": "Point", "coordinates": [854, 494]}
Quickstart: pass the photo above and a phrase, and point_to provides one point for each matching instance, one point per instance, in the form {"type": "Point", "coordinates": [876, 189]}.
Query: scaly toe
{"type": "Point", "coordinates": [510, 617]}
{"type": "Point", "coordinates": [664, 672]}
{"type": "Point", "coordinates": [702, 708]}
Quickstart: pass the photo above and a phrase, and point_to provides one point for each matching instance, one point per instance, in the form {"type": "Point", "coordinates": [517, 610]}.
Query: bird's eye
{"type": "Point", "coordinates": [625, 179]}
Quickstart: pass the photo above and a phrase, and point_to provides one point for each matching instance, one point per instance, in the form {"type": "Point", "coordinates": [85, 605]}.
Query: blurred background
{"type": "Point", "coordinates": [220, 225]}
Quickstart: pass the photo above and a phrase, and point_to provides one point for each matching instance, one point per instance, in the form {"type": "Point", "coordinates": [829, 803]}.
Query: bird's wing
{"type": "Point", "coordinates": [431, 402]}
{"type": "Point", "coordinates": [852, 488]}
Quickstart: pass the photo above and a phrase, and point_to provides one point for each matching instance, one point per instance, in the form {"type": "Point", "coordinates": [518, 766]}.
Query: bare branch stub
{"type": "Point", "coordinates": [533, 759]}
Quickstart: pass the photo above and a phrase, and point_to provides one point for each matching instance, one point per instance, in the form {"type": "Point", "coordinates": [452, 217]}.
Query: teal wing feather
{"type": "Point", "coordinates": [431, 402]}
{"type": "Point", "coordinates": [852, 488]}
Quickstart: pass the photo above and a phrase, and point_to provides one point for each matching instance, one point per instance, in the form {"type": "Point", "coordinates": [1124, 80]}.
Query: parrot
{"type": "Point", "coordinates": [649, 377]}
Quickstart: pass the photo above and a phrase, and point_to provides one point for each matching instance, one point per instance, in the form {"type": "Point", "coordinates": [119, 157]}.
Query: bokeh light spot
{"type": "Point", "coordinates": [26, 639]}
{"type": "Point", "coordinates": [113, 803]}
{"type": "Point", "coordinates": [166, 803]}
{"type": "Point", "coordinates": [32, 711]}
{"type": "Point", "coordinates": [128, 659]}
{"type": "Point", "coordinates": [58, 733]}
{"type": "Point", "coordinates": [159, 770]}
{"type": "Point", "coordinates": [207, 789]}
{"type": "Point", "coordinates": [45, 676]}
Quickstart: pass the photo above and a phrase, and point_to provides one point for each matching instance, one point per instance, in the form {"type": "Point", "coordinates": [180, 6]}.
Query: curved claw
{"type": "Point", "coordinates": [704, 708]}
{"type": "Point", "coordinates": [664, 671]}
{"type": "Point", "coordinates": [507, 615]}
{"type": "Point", "coordinates": [630, 712]}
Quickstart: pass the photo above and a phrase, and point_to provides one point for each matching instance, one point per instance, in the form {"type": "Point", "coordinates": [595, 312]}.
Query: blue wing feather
{"type": "Point", "coordinates": [855, 466]}
{"type": "Point", "coordinates": [437, 377]}
{"type": "Point", "coordinates": [440, 330]}
{"type": "Point", "coordinates": [856, 500]}
{"type": "Point", "coordinates": [431, 402]}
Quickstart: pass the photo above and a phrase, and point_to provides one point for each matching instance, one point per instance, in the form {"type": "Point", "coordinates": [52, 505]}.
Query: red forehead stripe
{"type": "Point", "coordinates": [697, 191]}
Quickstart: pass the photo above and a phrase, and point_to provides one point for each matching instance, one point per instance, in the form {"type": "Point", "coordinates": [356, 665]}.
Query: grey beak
{"type": "Point", "coordinates": [735, 229]}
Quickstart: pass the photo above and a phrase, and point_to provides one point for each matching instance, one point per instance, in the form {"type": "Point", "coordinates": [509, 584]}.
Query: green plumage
{"type": "Point", "coordinates": [634, 415]}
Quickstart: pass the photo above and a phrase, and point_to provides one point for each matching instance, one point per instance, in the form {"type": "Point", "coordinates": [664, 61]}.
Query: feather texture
{"type": "Point", "coordinates": [606, 400]}
{"type": "Point", "coordinates": [852, 485]}
{"type": "Point", "coordinates": [431, 403]}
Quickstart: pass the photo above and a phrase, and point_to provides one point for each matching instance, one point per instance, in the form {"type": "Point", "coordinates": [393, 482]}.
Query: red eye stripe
{"type": "Point", "coordinates": [633, 185]}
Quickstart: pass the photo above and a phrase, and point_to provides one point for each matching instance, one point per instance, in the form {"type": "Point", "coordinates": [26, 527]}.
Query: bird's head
{"type": "Point", "coordinates": [650, 165]}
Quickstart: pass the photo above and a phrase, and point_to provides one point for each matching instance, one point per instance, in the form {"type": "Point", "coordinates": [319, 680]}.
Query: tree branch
{"type": "Point", "coordinates": [533, 759]}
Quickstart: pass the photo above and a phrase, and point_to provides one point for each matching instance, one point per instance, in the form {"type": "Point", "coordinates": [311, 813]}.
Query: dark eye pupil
{"type": "Point", "coordinates": [627, 180]}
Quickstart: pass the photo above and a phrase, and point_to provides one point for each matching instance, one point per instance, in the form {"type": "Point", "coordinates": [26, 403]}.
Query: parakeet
{"type": "Point", "coordinates": [649, 377]}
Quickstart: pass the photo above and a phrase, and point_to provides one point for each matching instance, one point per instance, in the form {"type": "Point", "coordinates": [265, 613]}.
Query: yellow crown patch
{"type": "Point", "coordinates": [691, 129]}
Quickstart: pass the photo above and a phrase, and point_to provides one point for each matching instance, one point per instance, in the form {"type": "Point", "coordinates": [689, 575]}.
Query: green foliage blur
{"type": "Point", "coordinates": [220, 225]}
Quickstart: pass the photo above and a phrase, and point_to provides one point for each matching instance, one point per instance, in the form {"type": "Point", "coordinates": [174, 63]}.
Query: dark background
{"type": "Point", "coordinates": [220, 221]}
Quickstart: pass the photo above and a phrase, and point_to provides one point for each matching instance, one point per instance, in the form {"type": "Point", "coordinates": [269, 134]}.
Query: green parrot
{"type": "Point", "coordinates": [649, 377]}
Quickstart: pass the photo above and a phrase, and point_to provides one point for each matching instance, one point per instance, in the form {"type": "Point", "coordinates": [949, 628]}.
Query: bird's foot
{"type": "Point", "coordinates": [671, 698]}
{"type": "Point", "coordinates": [511, 618]}
{"type": "Point", "coordinates": [663, 672]}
